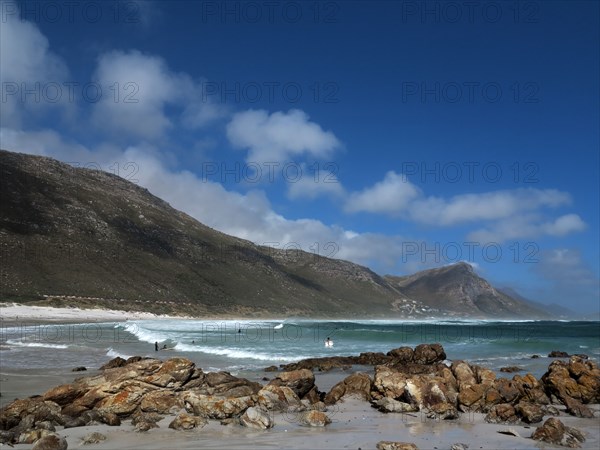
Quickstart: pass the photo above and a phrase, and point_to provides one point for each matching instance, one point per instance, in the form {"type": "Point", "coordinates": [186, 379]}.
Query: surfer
{"type": "Point", "coordinates": [164, 347]}
{"type": "Point", "coordinates": [328, 342]}
{"type": "Point", "coordinates": [156, 346]}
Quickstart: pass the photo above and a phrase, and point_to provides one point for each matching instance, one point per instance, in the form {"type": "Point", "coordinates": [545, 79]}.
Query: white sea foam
{"type": "Point", "coordinates": [112, 353]}
{"type": "Point", "coordinates": [237, 353]}
{"type": "Point", "coordinates": [35, 344]}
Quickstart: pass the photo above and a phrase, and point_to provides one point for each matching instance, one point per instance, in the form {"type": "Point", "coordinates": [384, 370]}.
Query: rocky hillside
{"type": "Point", "coordinates": [83, 237]}
{"type": "Point", "coordinates": [459, 289]}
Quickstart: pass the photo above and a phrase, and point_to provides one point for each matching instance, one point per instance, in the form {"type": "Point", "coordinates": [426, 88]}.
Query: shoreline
{"type": "Point", "coordinates": [355, 424]}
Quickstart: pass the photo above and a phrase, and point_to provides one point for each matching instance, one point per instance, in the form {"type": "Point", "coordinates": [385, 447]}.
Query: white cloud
{"type": "Point", "coordinates": [311, 185]}
{"type": "Point", "coordinates": [146, 88]}
{"type": "Point", "coordinates": [527, 226]}
{"type": "Point", "coordinates": [393, 195]}
{"type": "Point", "coordinates": [279, 136]}
{"type": "Point", "coordinates": [27, 64]}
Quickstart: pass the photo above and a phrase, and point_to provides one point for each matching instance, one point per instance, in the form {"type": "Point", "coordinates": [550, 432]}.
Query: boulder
{"type": "Point", "coordinates": [442, 411]}
{"type": "Point", "coordinates": [124, 402]}
{"type": "Point", "coordinates": [392, 445]}
{"type": "Point", "coordinates": [272, 397]}
{"type": "Point", "coordinates": [143, 426]}
{"type": "Point", "coordinates": [216, 407]}
{"type": "Point", "coordinates": [357, 384]}
{"type": "Point", "coordinates": [172, 373]}
{"type": "Point", "coordinates": [502, 413]}
{"type": "Point", "coordinates": [389, 382]}
{"type": "Point", "coordinates": [300, 381]}
{"type": "Point", "coordinates": [115, 362]}
{"type": "Point", "coordinates": [464, 374]}
{"type": "Point", "coordinates": [93, 438]}
{"type": "Point", "coordinates": [511, 369]}
{"type": "Point", "coordinates": [63, 394]}
{"type": "Point", "coordinates": [226, 385]}
{"type": "Point", "coordinates": [429, 354]}
{"type": "Point", "coordinates": [555, 432]}
{"type": "Point", "coordinates": [187, 422]}
{"type": "Point", "coordinates": [529, 412]}
{"type": "Point", "coordinates": [32, 436]}
{"type": "Point", "coordinates": [402, 354]}
{"type": "Point", "coordinates": [161, 402]}
{"type": "Point", "coordinates": [558, 354]}
{"type": "Point", "coordinates": [314, 418]}
{"type": "Point", "coordinates": [51, 442]}
{"type": "Point", "coordinates": [507, 390]}
{"type": "Point", "coordinates": [389, 405]}
{"type": "Point", "coordinates": [471, 397]}
{"type": "Point", "coordinates": [577, 409]}
{"type": "Point", "coordinates": [256, 418]}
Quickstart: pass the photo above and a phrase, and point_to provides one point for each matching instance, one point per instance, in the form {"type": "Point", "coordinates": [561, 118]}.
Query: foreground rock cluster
{"type": "Point", "coordinates": [406, 380]}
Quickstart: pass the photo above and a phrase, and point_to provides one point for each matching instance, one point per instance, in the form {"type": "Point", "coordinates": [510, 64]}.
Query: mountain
{"type": "Point", "coordinates": [81, 237]}
{"type": "Point", "coordinates": [457, 288]}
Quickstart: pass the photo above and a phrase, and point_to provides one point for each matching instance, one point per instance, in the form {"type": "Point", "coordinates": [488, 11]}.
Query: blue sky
{"type": "Point", "coordinates": [400, 135]}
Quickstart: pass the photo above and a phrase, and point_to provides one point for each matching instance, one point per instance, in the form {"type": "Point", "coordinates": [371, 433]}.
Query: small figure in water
{"type": "Point", "coordinates": [239, 330]}
{"type": "Point", "coordinates": [193, 342]}
{"type": "Point", "coordinates": [328, 342]}
{"type": "Point", "coordinates": [156, 346]}
{"type": "Point", "coordinates": [164, 347]}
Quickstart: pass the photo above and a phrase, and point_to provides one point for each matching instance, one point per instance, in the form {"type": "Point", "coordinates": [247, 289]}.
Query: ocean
{"type": "Point", "coordinates": [239, 346]}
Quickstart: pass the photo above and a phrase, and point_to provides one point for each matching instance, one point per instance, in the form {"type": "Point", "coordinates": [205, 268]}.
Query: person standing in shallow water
{"type": "Point", "coordinates": [156, 346]}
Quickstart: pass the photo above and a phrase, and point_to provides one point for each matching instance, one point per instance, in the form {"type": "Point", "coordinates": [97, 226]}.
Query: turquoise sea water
{"type": "Point", "coordinates": [249, 345]}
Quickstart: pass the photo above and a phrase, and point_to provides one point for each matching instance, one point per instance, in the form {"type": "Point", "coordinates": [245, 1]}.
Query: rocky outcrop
{"type": "Point", "coordinates": [357, 385]}
{"type": "Point", "coordinates": [555, 432]}
{"type": "Point", "coordinates": [392, 445]}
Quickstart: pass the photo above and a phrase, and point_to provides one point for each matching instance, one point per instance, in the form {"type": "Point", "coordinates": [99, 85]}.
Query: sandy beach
{"type": "Point", "coordinates": [355, 424]}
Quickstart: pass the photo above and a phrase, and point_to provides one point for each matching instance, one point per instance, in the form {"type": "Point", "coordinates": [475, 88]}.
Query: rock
{"type": "Point", "coordinates": [300, 381]}
{"type": "Point", "coordinates": [577, 409]}
{"type": "Point", "coordinates": [530, 389]}
{"type": "Point", "coordinates": [187, 422]}
{"type": "Point", "coordinates": [75, 422]}
{"type": "Point", "coordinates": [357, 384]}
{"type": "Point", "coordinates": [39, 410]}
{"type": "Point", "coordinates": [271, 369]}
{"type": "Point", "coordinates": [529, 412]}
{"type": "Point", "coordinates": [402, 354]}
{"type": "Point", "coordinates": [256, 418]}
{"type": "Point", "coordinates": [161, 402]}
{"type": "Point", "coordinates": [32, 436]}
{"type": "Point", "coordinates": [79, 369]}
{"type": "Point", "coordinates": [389, 405]}
{"type": "Point", "coordinates": [172, 373]}
{"type": "Point", "coordinates": [550, 410]}
{"type": "Point", "coordinates": [389, 382]}
{"type": "Point", "coordinates": [141, 417]}
{"type": "Point", "coordinates": [391, 445]}
{"type": "Point", "coordinates": [109, 418]}
{"type": "Point", "coordinates": [429, 354]}
{"type": "Point", "coordinates": [471, 397]}
{"type": "Point", "coordinates": [558, 354]}
{"type": "Point", "coordinates": [216, 407]}
{"type": "Point", "coordinates": [555, 432]}
{"type": "Point", "coordinates": [502, 413]}
{"type": "Point", "coordinates": [142, 427]}
{"type": "Point", "coordinates": [115, 362]}
{"type": "Point", "coordinates": [63, 394]}
{"type": "Point", "coordinates": [272, 397]}
{"type": "Point", "coordinates": [464, 374]}
{"type": "Point", "coordinates": [93, 438]}
{"type": "Point", "coordinates": [511, 369]}
{"type": "Point", "coordinates": [485, 376]}
{"type": "Point", "coordinates": [124, 402]}
{"type": "Point", "coordinates": [314, 419]}
{"type": "Point", "coordinates": [535, 356]}
{"type": "Point", "coordinates": [510, 432]}
{"type": "Point", "coordinates": [507, 390]}
{"type": "Point", "coordinates": [45, 425]}
{"type": "Point", "coordinates": [226, 385]}
{"type": "Point", "coordinates": [459, 446]}
{"type": "Point", "coordinates": [442, 411]}
{"type": "Point", "coordinates": [51, 442]}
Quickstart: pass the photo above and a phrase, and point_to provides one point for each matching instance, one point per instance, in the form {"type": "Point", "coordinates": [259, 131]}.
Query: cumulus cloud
{"type": "Point", "coordinates": [280, 136]}
{"type": "Point", "coordinates": [27, 64]}
{"type": "Point", "coordinates": [528, 226]}
{"type": "Point", "coordinates": [141, 88]}
{"type": "Point", "coordinates": [312, 184]}
{"type": "Point", "coordinates": [392, 195]}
